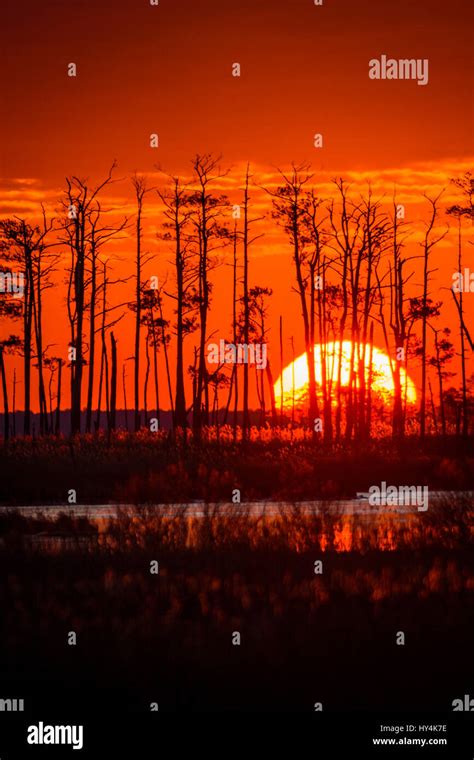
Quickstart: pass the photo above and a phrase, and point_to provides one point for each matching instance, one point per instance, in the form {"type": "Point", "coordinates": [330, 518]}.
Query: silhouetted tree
{"type": "Point", "coordinates": [209, 235]}
{"type": "Point", "coordinates": [178, 214]}
{"type": "Point", "coordinates": [444, 353]}
{"type": "Point", "coordinates": [430, 240]}
{"type": "Point", "coordinates": [140, 188]}
{"type": "Point", "coordinates": [25, 246]}
{"type": "Point", "coordinates": [399, 315]}
{"type": "Point", "coordinates": [9, 345]}
{"type": "Point", "coordinates": [465, 210]}
{"type": "Point", "coordinates": [258, 310]}
{"type": "Point", "coordinates": [290, 209]}
{"type": "Point", "coordinates": [81, 235]}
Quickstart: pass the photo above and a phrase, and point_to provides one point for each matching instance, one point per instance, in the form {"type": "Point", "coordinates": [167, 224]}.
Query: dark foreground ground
{"type": "Point", "coordinates": [276, 463]}
{"type": "Point", "coordinates": [305, 637]}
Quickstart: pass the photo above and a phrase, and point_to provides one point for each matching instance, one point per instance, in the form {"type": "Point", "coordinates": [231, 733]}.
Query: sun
{"type": "Point", "coordinates": [294, 379]}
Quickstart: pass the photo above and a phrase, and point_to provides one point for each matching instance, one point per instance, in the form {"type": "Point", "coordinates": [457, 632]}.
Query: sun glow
{"type": "Point", "coordinates": [377, 372]}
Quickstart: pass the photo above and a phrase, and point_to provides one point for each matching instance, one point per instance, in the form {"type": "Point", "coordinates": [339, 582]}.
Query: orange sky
{"type": "Point", "coordinates": [167, 69]}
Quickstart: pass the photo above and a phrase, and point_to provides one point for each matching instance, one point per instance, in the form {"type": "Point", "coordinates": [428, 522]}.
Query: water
{"type": "Point", "coordinates": [357, 506]}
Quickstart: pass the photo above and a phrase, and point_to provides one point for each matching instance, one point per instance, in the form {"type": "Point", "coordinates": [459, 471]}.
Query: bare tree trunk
{"type": "Point", "coordinates": [106, 381]}
{"type": "Point", "coordinates": [370, 380]}
{"type": "Point", "coordinates": [465, 407]}
{"type": "Point", "coordinates": [14, 404]}
{"type": "Point", "coordinates": [27, 323]}
{"type": "Point", "coordinates": [398, 326]}
{"type": "Point", "coordinates": [58, 400]}
{"type": "Point", "coordinates": [245, 399]}
{"type": "Point", "coordinates": [292, 382]}
{"type": "Point", "coordinates": [90, 384]}
{"type": "Point", "coordinates": [233, 377]}
{"type": "Point", "coordinates": [195, 360]}
{"type": "Point", "coordinates": [204, 296]}
{"type": "Point", "coordinates": [124, 387]}
{"type": "Point", "coordinates": [205, 409]}
{"type": "Point", "coordinates": [155, 375]}
{"type": "Point", "coordinates": [423, 344]}
{"type": "Point", "coordinates": [323, 341]}
{"type": "Point", "coordinates": [440, 385]}
{"type": "Point", "coordinates": [271, 388]}
{"type": "Point", "coordinates": [180, 418]}
{"type": "Point", "coordinates": [165, 351]}
{"type": "Point", "coordinates": [281, 370]}
{"type": "Point", "coordinates": [346, 235]}
{"type": "Point", "coordinates": [140, 191]}
{"type": "Point", "coordinates": [308, 337]}
{"type": "Point", "coordinates": [6, 414]}
{"type": "Point", "coordinates": [99, 392]}
{"type": "Point", "coordinates": [428, 243]}
{"type": "Point", "coordinates": [103, 356]}
{"type": "Point", "coordinates": [79, 295]}
{"type": "Point", "coordinates": [37, 315]}
{"type": "Point", "coordinates": [147, 376]}
{"type": "Point", "coordinates": [113, 382]}
{"type": "Point", "coordinates": [50, 395]}
{"type": "Point", "coordinates": [433, 409]}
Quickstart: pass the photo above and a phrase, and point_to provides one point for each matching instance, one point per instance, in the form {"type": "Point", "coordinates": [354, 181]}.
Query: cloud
{"type": "Point", "coordinates": [25, 195]}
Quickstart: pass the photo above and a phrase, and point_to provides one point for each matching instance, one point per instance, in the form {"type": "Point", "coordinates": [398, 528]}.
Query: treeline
{"type": "Point", "coordinates": [355, 271]}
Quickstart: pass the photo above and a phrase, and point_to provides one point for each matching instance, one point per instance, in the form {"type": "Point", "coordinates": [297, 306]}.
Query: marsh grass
{"type": "Point", "coordinates": [303, 635]}
{"type": "Point", "coordinates": [276, 463]}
